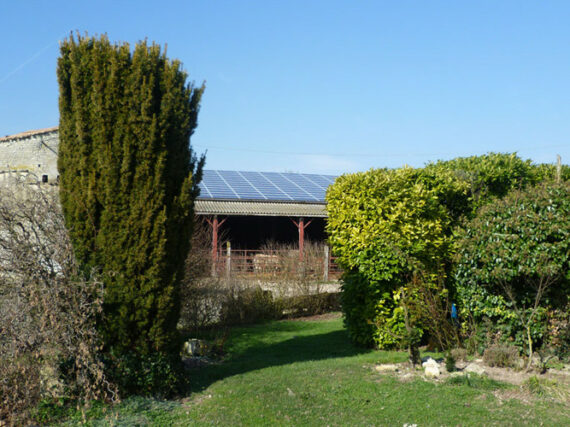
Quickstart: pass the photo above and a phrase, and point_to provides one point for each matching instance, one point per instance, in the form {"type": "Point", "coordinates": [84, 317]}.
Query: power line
{"type": "Point", "coordinates": [408, 154]}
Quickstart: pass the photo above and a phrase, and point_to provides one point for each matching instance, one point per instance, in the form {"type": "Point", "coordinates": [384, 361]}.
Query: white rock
{"type": "Point", "coordinates": [429, 362]}
{"type": "Point", "coordinates": [476, 369]}
{"type": "Point", "coordinates": [431, 371]}
{"type": "Point", "coordinates": [431, 368]}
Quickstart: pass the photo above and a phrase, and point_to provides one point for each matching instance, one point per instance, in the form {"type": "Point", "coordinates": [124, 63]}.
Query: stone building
{"type": "Point", "coordinates": [30, 156]}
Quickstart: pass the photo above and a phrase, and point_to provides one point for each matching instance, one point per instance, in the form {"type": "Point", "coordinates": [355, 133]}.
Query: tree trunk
{"type": "Point", "coordinates": [529, 348]}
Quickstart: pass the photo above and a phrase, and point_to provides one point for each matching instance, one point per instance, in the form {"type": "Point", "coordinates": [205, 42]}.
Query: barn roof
{"type": "Point", "coordinates": [253, 208]}
{"type": "Point", "coordinates": [224, 192]}
{"type": "Point", "coordinates": [264, 186]}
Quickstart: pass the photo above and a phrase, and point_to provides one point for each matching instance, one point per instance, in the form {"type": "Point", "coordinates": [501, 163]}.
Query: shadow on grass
{"type": "Point", "coordinates": [334, 344]}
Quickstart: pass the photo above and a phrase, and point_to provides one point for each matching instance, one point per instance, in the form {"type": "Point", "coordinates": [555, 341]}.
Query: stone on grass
{"type": "Point", "coordinates": [431, 368]}
{"type": "Point", "coordinates": [475, 369]}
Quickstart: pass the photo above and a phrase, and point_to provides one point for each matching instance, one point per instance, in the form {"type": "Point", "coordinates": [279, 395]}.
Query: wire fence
{"type": "Point", "coordinates": [315, 264]}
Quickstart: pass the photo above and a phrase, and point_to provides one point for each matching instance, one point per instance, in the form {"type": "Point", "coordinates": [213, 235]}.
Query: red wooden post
{"type": "Point", "coordinates": [215, 227]}
{"type": "Point", "coordinates": [215, 224]}
{"type": "Point", "coordinates": [301, 227]}
{"type": "Point", "coordinates": [301, 238]}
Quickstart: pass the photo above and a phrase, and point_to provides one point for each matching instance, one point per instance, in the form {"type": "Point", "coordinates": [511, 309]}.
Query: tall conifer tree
{"type": "Point", "coordinates": [128, 181]}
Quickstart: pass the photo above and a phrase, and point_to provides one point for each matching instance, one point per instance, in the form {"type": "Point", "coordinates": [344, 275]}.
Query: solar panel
{"type": "Point", "coordinates": [268, 186]}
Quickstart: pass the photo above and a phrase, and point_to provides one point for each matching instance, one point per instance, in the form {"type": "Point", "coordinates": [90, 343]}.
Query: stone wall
{"type": "Point", "coordinates": [30, 156]}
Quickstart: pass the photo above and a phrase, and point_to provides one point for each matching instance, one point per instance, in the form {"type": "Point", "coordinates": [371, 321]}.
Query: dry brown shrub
{"type": "Point", "coordinates": [265, 284]}
{"type": "Point", "coordinates": [501, 355]}
{"type": "Point", "coordinates": [48, 341]}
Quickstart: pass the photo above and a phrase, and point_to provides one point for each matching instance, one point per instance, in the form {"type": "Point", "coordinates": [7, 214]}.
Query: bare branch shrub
{"type": "Point", "coordinates": [271, 282]}
{"type": "Point", "coordinates": [48, 341]}
{"type": "Point", "coordinates": [199, 294]}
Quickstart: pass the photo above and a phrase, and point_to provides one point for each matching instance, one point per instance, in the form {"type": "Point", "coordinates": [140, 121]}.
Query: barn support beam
{"type": "Point", "coordinates": [215, 223]}
{"type": "Point", "coordinates": [301, 225]}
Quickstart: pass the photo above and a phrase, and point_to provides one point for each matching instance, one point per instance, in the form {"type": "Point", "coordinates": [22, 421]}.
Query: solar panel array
{"type": "Point", "coordinates": [268, 186]}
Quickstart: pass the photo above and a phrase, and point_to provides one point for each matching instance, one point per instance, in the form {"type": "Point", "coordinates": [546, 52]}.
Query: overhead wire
{"type": "Point", "coordinates": [408, 154]}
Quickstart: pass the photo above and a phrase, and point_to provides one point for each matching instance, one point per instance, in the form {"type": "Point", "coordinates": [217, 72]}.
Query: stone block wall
{"type": "Point", "coordinates": [30, 156]}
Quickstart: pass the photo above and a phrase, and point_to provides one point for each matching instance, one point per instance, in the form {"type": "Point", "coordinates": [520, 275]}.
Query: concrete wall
{"type": "Point", "coordinates": [29, 156]}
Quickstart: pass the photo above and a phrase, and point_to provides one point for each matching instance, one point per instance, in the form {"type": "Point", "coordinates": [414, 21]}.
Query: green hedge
{"type": "Point", "coordinates": [385, 226]}
{"type": "Point", "coordinates": [394, 228]}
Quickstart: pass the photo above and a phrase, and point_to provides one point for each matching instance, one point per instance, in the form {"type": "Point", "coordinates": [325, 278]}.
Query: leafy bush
{"type": "Point", "coordinates": [501, 355]}
{"type": "Point", "coordinates": [513, 261]}
{"type": "Point", "coordinates": [158, 374]}
{"type": "Point", "coordinates": [387, 227]}
{"type": "Point", "coordinates": [489, 177]}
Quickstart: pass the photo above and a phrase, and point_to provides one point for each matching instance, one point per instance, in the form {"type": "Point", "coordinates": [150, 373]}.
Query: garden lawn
{"type": "Point", "coordinates": [308, 373]}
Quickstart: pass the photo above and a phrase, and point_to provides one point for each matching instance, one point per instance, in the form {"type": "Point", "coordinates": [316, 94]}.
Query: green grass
{"type": "Point", "coordinates": [308, 373]}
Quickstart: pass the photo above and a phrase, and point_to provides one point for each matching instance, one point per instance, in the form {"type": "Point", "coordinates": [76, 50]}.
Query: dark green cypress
{"type": "Point", "coordinates": [128, 180]}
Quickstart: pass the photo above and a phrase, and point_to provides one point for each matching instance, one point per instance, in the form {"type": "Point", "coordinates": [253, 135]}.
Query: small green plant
{"type": "Point", "coordinates": [501, 355]}
{"type": "Point", "coordinates": [539, 386]}
{"type": "Point", "coordinates": [50, 410]}
{"type": "Point", "coordinates": [450, 362]}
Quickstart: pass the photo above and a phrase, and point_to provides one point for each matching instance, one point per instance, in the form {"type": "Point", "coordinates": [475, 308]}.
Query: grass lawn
{"type": "Point", "coordinates": [308, 373]}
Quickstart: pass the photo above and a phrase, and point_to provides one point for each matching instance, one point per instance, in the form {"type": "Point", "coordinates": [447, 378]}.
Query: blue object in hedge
{"type": "Point", "coordinates": [453, 311]}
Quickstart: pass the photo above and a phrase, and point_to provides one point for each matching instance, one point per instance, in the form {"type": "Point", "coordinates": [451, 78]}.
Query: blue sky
{"type": "Point", "coordinates": [325, 86]}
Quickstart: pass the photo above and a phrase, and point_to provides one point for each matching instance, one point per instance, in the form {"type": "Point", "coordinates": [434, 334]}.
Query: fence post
{"type": "Point", "coordinates": [228, 259]}
{"type": "Point", "coordinates": [326, 264]}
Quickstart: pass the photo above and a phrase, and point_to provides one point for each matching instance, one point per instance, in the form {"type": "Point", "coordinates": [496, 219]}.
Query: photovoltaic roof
{"type": "Point", "coordinates": [264, 186]}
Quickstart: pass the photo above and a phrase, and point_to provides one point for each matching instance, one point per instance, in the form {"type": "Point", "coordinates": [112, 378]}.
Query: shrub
{"type": "Point", "coordinates": [49, 346]}
{"type": "Point", "coordinates": [312, 304]}
{"type": "Point", "coordinates": [459, 354]}
{"type": "Point", "coordinates": [159, 374]}
{"type": "Point", "coordinates": [386, 227]}
{"type": "Point", "coordinates": [501, 355]}
{"type": "Point", "coordinates": [290, 291]}
{"type": "Point", "coordinates": [200, 295]}
{"type": "Point", "coordinates": [513, 260]}
{"type": "Point", "coordinates": [249, 305]}
{"type": "Point", "coordinates": [558, 339]}
{"type": "Point", "coordinates": [128, 180]}
{"type": "Point", "coordinates": [489, 177]}
{"type": "Point", "coordinates": [450, 362]}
